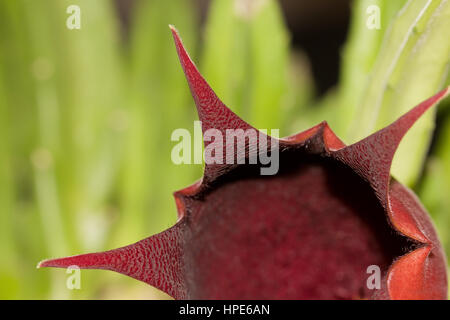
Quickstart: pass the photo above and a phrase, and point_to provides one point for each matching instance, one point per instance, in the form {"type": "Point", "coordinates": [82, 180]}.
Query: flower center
{"type": "Point", "coordinates": [312, 231]}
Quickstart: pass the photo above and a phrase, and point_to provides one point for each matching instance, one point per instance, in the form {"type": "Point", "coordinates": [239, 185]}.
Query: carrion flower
{"type": "Point", "coordinates": [308, 232]}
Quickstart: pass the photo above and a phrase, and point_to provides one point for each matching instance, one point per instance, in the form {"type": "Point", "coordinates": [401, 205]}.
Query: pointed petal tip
{"type": "Point", "coordinates": [404, 123]}
{"type": "Point", "coordinates": [182, 53]}
{"type": "Point", "coordinates": [174, 30]}
{"type": "Point", "coordinates": [46, 263]}
{"type": "Point", "coordinates": [54, 263]}
{"type": "Point", "coordinates": [83, 261]}
{"type": "Point", "coordinates": [372, 156]}
{"type": "Point", "coordinates": [211, 110]}
{"type": "Point", "coordinates": [446, 92]}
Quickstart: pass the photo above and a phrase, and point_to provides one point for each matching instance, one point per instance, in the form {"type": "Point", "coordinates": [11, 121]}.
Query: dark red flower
{"type": "Point", "coordinates": [308, 232]}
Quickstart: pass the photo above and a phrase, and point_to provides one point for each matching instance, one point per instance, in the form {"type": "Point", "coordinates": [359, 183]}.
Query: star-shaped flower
{"type": "Point", "coordinates": [313, 230]}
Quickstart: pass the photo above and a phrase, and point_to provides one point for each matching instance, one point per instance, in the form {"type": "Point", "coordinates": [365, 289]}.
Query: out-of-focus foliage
{"type": "Point", "coordinates": [86, 116]}
{"type": "Point", "coordinates": [63, 99]}
{"type": "Point", "coordinates": [157, 102]}
{"type": "Point", "coordinates": [247, 60]}
{"type": "Point", "coordinates": [359, 56]}
{"type": "Point", "coordinates": [411, 66]}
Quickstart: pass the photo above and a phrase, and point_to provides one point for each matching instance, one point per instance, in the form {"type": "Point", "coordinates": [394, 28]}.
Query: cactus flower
{"type": "Point", "coordinates": [310, 231]}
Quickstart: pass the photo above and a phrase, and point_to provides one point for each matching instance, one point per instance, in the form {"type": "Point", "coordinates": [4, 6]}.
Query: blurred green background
{"type": "Point", "coordinates": [86, 114]}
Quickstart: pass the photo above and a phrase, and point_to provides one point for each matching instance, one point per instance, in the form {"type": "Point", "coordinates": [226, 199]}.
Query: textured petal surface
{"type": "Point", "coordinates": [156, 260]}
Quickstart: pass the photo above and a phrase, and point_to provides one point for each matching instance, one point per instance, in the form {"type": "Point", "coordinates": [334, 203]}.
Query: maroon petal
{"type": "Point", "coordinates": [156, 260]}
